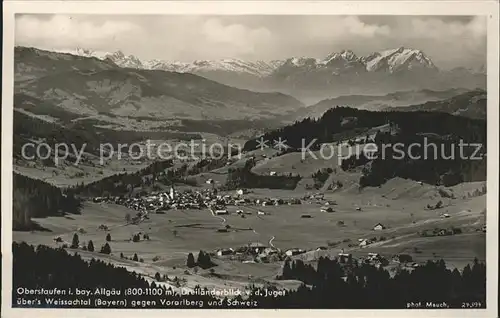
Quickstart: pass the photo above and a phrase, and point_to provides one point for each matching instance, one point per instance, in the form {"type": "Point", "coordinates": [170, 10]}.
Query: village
{"type": "Point", "coordinates": [240, 204]}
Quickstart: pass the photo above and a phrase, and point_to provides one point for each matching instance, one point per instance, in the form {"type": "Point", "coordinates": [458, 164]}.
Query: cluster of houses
{"type": "Point", "coordinates": [260, 253]}
{"type": "Point", "coordinates": [160, 202]}
{"type": "Point", "coordinates": [440, 232]}
{"type": "Point", "coordinates": [254, 252]}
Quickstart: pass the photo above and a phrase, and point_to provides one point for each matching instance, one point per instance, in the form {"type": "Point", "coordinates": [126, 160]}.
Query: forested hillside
{"type": "Point", "coordinates": [442, 164]}
{"type": "Point", "coordinates": [37, 199]}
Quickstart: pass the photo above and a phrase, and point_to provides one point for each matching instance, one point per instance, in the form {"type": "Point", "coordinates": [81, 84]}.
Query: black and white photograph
{"type": "Point", "coordinates": [246, 161]}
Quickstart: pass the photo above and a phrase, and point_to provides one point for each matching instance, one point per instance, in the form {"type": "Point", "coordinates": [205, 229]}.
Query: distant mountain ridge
{"type": "Point", "coordinates": [257, 68]}
{"type": "Point", "coordinates": [313, 79]}
{"type": "Point", "coordinates": [89, 86]}
{"type": "Point", "coordinates": [388, 60]}
{"type": "Point", "coordinates": [400, 99]}
{"type": "Point", "coordinates": [471, 104]}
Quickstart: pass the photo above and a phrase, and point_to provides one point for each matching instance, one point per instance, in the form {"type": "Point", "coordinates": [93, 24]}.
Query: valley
{"type": "Point", "coordinates": [272, 212]}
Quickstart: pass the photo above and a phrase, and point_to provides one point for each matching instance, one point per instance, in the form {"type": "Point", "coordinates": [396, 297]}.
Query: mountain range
{"type": "Point", "coordinates": [313, 79]}
{"type": "Point", "coordinates": [114, 93]}
{"type": "Point", "coordinates": [89, 86]}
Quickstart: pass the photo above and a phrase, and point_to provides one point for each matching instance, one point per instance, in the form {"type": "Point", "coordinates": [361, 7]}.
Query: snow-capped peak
{"type": "Point", "coordinates": [83, 52]}
{"type": "Point", "coordinates": [345, 56]}
{"type": "Point", "coordinates": [117, 55]}
{"type": "Point", "coordinates": [397, 59]}
{"type": "Point", "coordinates": [120, 59]}
{"type": "Point", "coordinates": [391, 61]}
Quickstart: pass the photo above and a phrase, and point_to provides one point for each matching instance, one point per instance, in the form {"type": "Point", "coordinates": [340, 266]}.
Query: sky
{"type": "Point", "coordinates": [450, 41]}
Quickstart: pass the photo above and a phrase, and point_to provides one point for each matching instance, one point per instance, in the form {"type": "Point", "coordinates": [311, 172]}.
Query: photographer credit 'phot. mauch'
{"type": "Point", "coordinates": [293, 159]}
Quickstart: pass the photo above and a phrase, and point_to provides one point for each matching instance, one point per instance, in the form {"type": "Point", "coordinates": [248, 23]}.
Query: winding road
{"type": "Point", "coordinates": [218, 216]}
{"type": "Point", "coordinates": [271, 242]}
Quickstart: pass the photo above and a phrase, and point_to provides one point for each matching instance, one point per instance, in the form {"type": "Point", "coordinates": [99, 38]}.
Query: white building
{"type": "Point", "coordinates": [378, 227]}
{"type": "Point", "coordinates": [221, 212]}
{"type": "Point", "coordinates": [363, 243]}
{"type": "Point", "coordinates": [294, 251]}
{"type": "Point", "coordinates": [225, 251]}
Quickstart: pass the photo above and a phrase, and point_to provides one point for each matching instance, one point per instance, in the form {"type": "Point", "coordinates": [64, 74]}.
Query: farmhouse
{"type": "Point", "coordinates": [277, 202]}
{"type": "Point", "coordinates": [364, 242]}
{"type": "Point", "coordinates": [294, 251]}
{"type": "Point", "coordinates": [272, 173]}
{"type": "Point", "coordinates": [257, 247]}
{"type": "Point", "coordinates": [270, 251]}
{"type": "Point", "coordinates": [241, 191]}
{"type": "Point", "coordinates": [379, 227]}
{"type": "Point", "coordinates": [225, 251]}
{"type": "Point", "coordinates": [98, 199]}
{"type": "Point", "coordinates": [374, 256]}
{"type": "Point", "coordinates": [219, 211]}
{"type": "Point", "coordinates": [240, 202]}
{"type": "Point", "coordinates": [345, 257]}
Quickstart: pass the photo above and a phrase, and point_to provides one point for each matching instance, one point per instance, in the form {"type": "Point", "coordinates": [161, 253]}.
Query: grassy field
{"type": "Point", "coordinates": [178, 232]}
{"type": "Point", "coordinates": [399, 204]}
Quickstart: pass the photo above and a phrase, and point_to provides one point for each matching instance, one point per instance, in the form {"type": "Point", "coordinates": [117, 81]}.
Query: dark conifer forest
{"type": "Point", "coordinates": [440, 165]}
{"type": "Point", "coordinates": [328, 285]}
{"type": "Point", "coordinates": [37, 199]}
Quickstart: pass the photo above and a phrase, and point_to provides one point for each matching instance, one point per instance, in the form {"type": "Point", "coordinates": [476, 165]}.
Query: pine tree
{"type": "Point", "coordinates": [108, 237]}
{"type": "Point", "coordinates": [106, 249]}
{"type": "Point", "coordinates": [76, 241]}
{"type": "Point", "coordinates": [202, 259]}
{"type": "Point", "coordinates": [135, 259]}
{"type": "Point", "coordinates": [90, 246]}
{"type": "Point", "coordinates": [190, 261]}
{"type": "Point", "coordinates": [287, 271]}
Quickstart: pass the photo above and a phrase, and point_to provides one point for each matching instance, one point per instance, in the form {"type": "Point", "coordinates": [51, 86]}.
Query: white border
{"type": "Point", "coordinates": [489, 8]}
